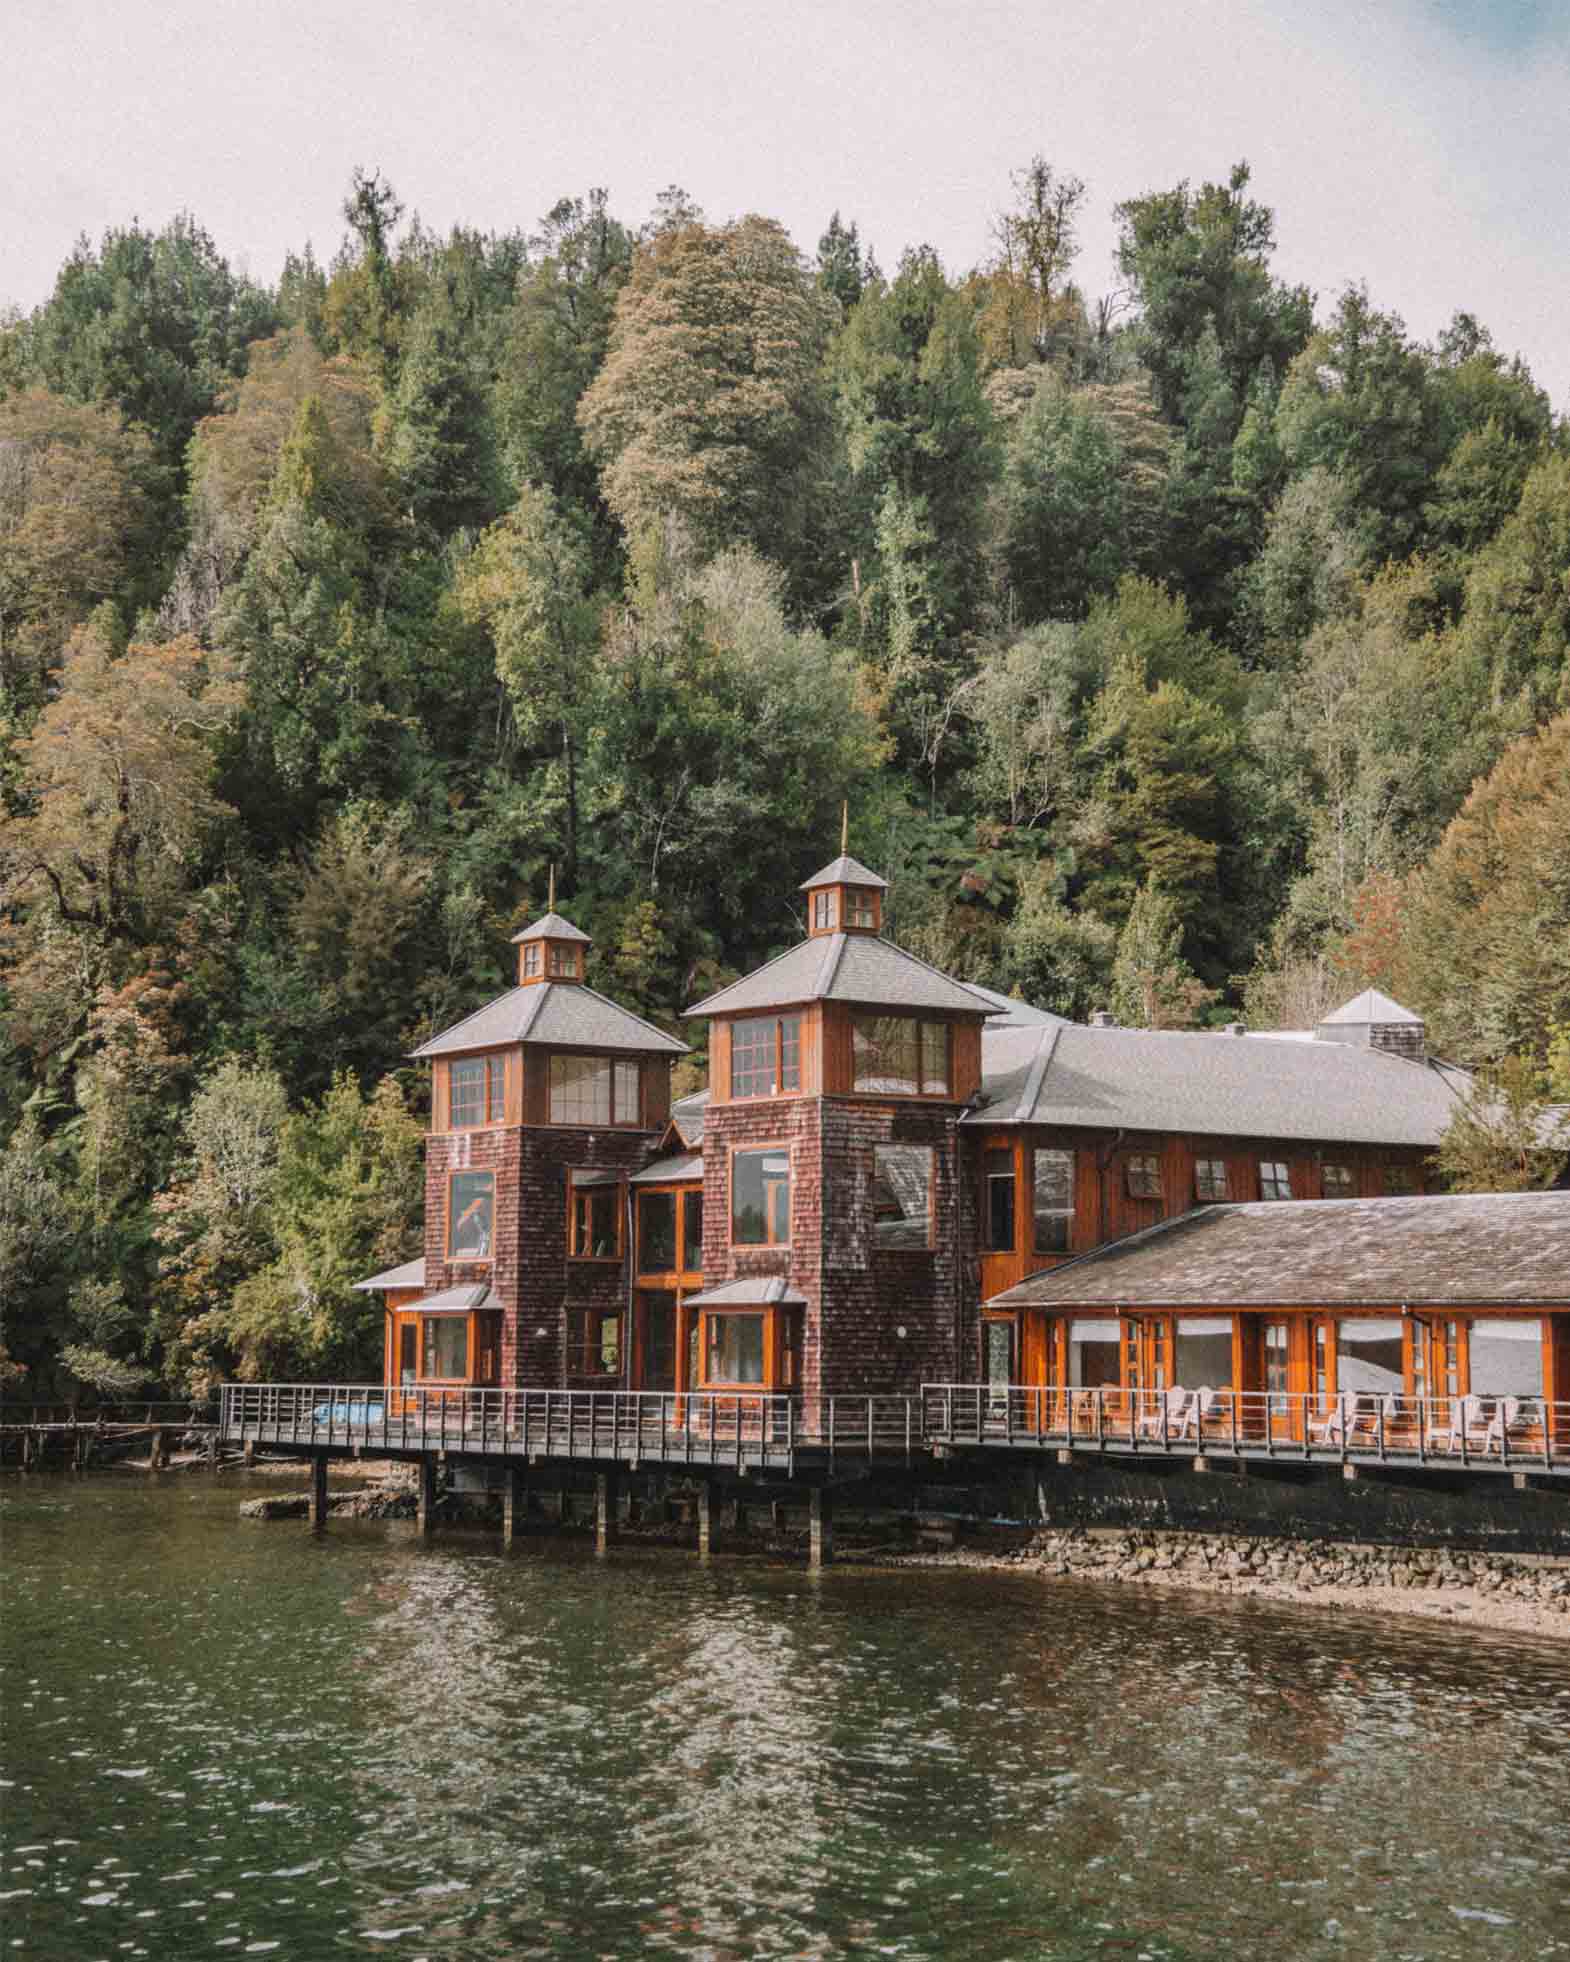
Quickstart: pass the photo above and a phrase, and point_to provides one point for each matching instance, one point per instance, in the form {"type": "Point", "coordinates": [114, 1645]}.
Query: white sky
{"type": "Point", "coordinates": [1420, 145]}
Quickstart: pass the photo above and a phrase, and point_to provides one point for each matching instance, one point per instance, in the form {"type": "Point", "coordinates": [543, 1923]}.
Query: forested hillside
{"type": "Point", "coordinates": [1196, 648]}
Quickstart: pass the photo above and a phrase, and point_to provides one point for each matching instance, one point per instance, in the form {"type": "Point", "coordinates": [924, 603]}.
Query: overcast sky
{"type": "Point", "coordinates": [1422, 146]}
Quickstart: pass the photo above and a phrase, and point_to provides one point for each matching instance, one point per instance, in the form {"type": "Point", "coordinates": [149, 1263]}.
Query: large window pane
{"type": "Point", "coordinates": [735, 1349]}
{"type": "Point", "coordinates": [935, 1059]}
{"type": "Point", "coordinates": [1507, 1358]}
{"type": "Point", "coordinates": [446, 1346]}
{"type": "Point", "coordinates": [790, 1052]}
{"type": "Point", "coordinates": [692, 1232]}
{"type": "Point", "coordinates": [1052, 1200]}
{"type": "Point", "coordinates": [885, 1055]}
{"type": "Point", "coordinates": [580, 1090]}
{"type": "Point", "coordinates": [997, 1190]}
{"type": "Point", "coordinates": [595, 1212]}
{"type": "Point", "coordinates": [466, 1104]}
{"type": "Point", "coordinates": [656, 1232]}
{"type": "Point", "coordinates": [1202, 1357]}
{"type": "Point", "coordinates": [628, 1101]}
{"type": "Point", "coordinates": [1094, 1349]}
{"type": "Point", "coordinates": [902, 1195]}
{"type": "Point", "coordinates": [760, 1197]}
{"type": "Point", "coordinates": [1368, 1355]}
{"type": "Point", "coordinates": [471, 1209]}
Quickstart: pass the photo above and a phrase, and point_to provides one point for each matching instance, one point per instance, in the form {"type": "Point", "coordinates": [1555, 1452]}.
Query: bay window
{"type": "Point", "coordinates": [735, 1351]}
{"type": "Point", "coordinates": [445, 1348]}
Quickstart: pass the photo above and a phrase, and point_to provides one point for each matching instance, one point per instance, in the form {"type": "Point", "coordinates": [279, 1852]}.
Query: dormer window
{"type": "Point", "coordinates": [825, 911]}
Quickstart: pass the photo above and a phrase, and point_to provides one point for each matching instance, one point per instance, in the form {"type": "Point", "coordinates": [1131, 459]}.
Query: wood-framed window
{"type": "Point", "coordinates": [735, 1350]}
{"type": "Point", "coordinates": [595, 1090]}
{"type": "Point", "coordinates": [594, 1346]}
{"type": "Point", "coordinates": [564, 963]}
{"type": "Point", "coordinates": [899, 1056]}
{"type": "Point", "coordinates": [594, 1211]}
{"type": "Point", "coordinates": [1335, 1181]}
{"type": "Point", "coordinates": [825, 910]}
{"type": "Point", "coordinates": [760, 1196]}
{"type": "Point", "coordinates": [476, 1091]}
{"type": "Point", "coordinates": [1142, 1175]}
{"type": "Point", "coordinates": [1051, 1199]}
{"type": "Point", "coordinates": [1210, 1178]}
{"type": "Point", "coordinates": [444, 1348]}
{"type": "Point", "coordinates": [670, 1232]}
{"type": "Point", "coordinates": [1400, 1181]}
{"type": "Point", "coordinates": [765, 1056]}
{"type": "Point", "coordinates": [861, 908]}
{"type": "Point", "coordinates": [1275, 1179]}
{"type": "Point", "coordinates": [531, 960]}
{"type": "Point", "coordinates": [997, 1199]}
{"type": "Point", "coordinates": [471, 1215]}
{"type": "Point", "coordinates": [902, 1179]}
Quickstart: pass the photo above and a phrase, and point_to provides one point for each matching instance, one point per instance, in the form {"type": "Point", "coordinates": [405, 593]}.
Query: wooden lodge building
{"type": "Point", "coordinates": [894, 1180]}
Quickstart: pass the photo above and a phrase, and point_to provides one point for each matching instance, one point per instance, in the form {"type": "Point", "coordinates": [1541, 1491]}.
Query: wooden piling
{"type": "Point", "coordinates": [606, 1494]}
{"type": "Point", "coordinates": [318, 1491]}
{"type": "Point", "coordinates": [820, 1528]}
{"type": "Point", "coordinates": [425, 1506]}
{"type": "Point", "coordinates": [708, 1510]}
{"type": "Point", "coordinates": [515, 1504]}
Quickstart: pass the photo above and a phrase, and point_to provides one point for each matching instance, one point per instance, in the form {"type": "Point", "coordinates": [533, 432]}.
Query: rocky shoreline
{"type": "Point", "coordinates": [1523, 1594]}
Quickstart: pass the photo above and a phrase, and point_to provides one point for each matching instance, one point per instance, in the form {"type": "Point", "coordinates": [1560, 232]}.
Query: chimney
{"type": "Point", "coordinates": [1102, 1018]}
{"type": "Point", "coordinates": [1235, 1028]}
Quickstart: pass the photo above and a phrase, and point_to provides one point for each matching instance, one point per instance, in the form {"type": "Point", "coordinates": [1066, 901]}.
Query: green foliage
{"type": "Point", "coordinates": [1503, 1137]}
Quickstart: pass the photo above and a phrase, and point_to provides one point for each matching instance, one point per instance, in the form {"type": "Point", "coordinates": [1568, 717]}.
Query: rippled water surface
{"type": "Point", "coordinates": [234, 1739]}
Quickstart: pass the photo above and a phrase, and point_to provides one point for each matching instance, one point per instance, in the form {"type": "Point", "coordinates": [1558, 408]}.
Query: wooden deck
{"type": "Point", "coordinates": [623, 1427]}
{"type": "Point", "coordinates": [738, 1433]}
{"type": "Point", "coordinates": [1476, 1433]}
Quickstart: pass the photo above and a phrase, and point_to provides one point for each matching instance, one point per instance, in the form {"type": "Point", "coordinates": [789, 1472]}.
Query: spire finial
{"type": "Point", "coordinates": [550, 904]}
{"type": "Point", "coordinates": [844, 827]}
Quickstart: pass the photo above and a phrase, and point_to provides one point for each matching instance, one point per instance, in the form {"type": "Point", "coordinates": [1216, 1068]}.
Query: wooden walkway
{"type": "Point", "coordinates": [739, 1433]}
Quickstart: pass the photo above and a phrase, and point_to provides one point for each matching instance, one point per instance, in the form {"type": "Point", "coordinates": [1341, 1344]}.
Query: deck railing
{"type": "Point", "coordinates": [666, 1427]}
{"type": "Point", "coordinates": [1493, 1432]}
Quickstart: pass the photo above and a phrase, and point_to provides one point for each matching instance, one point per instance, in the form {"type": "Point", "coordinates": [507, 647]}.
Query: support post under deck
{"type": "Point", "coordinates": [515, 1503]}
{"type": "Point", "coordinates": [318, 1491]}
{"type": "Point", "coordinates": [708, 1508]}
{"type": "Point", "coordinates": [820, 1528]}
{"type": "Point", "coordinates": [606, 1494]}
{"type": "Point", "coordinates": [425, 1505]}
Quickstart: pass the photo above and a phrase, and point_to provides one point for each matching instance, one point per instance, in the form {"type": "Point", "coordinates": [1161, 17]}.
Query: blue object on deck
{"type": "Point", "coordinates": [349, 1413]}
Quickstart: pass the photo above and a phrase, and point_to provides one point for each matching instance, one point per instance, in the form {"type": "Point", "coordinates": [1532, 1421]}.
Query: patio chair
{"type": "Point", "coordinates": [1166, 1414]}
{"type": "Point", "coordinates": [1467, 1426]}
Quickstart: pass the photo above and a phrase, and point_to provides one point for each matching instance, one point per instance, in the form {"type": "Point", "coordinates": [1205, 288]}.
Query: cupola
{"type": "Point", "coordinates": [845, 897]}
{"type": "Point", "coordinates": [552, 949]}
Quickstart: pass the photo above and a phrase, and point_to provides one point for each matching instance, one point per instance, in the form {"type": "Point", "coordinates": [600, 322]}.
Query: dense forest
{"type": "Point", "coordinates": [1197, 649]}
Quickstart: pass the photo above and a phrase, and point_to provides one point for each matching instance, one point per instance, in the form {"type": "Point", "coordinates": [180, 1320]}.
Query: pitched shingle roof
{"type": "Point", "coordinates": [551, 926]}
{"type": "Point", "coordinates": [1238, 1086]}
{"type": "Point", "coordinates": [751, 1290]}
{"type": "Point", "coordinates": [569, 1016]}
{"type": "Point", "coordinates": [1481, 1249]}
{"type": "Point", "coordinates": [1370, 1006]}
{"type": "Point", "coordinates": [845, 871]}
{"type": "Point", "coordinates": [410, 1275]}
{"type": "Point", "coordinates": [1012, 1012]}
{"type": "Point", "coordinates": [687, 1116]}
{"type": "Point", "coordinates": [666, 1171]}
{"type": "Point", "coordinates": [852, 967]}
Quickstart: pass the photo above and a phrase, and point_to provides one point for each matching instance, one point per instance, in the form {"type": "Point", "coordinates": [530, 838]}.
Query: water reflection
{"type": "Point", "coordinates": [221, 1737]}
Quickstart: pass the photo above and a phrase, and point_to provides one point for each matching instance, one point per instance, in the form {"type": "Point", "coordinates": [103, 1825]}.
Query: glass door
{"type": "Point", "coordinates": [657, 1311]}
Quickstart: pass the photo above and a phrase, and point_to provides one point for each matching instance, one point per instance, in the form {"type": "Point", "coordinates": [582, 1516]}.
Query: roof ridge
{"type": "Point", "coordinates": [1037, 1071]}
{"type": "Point", "coordinates": [583, 988]}
{"type": "Point", "coordinates": [829, 964]}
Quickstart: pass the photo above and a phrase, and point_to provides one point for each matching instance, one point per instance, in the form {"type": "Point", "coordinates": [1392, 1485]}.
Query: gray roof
{"type": "Point", "coordinates": [563, 1015]}
{"type": "Point", "coordinates": [1370, 1006]}
{"type": "Point", "coordinates": [551, 926]}
{"type": "Point", "coordinates": [1491, 1249]}
{"type": "Point", "coordinates": [854, 967]}
{"type": "Point", "coordinates": [687, 1115]}
{"type": "Point", "coordinates": [1218, 1085]}
{"type": "Point", "coordinates": [410, 1275]}
{"type": "Point", "coordinates": [845, 871]}
{"type": "Point", "coordinates": [751, 1291]}
{"type": "Point", "coordinates": [1012, 1012]}
{"type": "Point", "coordinates": [665, 1171]}
{"type": "Point", "coordinates": [457, 1301]}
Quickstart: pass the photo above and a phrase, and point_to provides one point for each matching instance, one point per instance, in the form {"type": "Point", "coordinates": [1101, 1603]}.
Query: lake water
{"type": "Point", "coordinates": [227, 1738]}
